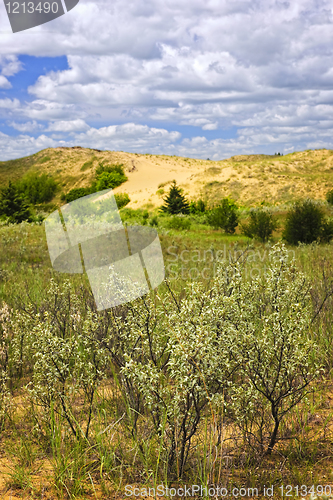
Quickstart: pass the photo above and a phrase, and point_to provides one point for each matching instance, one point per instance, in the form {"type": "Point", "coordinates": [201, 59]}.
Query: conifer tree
{"type": "Point", "coordinates": [175, 202]}
{"type": "Point", "coordinates": [13, 205]}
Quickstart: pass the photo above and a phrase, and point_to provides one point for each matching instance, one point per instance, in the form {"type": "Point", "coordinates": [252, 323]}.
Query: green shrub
{"type": "Point", "coordinates": [261, 225]}
{"type": "Point", "coordinates": [106, 177]}
{"type": "Point", "coordinates": [224, 216]}
{"type": "Point", "coordinates": [129, 214]}
{"type": "Point", "coordinates": [13, 206]}
{"type": "Point", "coordinates": [154, 221]}
{"type": "Point", "coordinates": [145, 217]}
{"type": "Point", "coordinates": [118, 168]}
{"type": "Point", "coordinates": [197, 207]}
{"type": "Point", "coordinates": [329, 197]}
{"type": "Point", "coordinates": [271, 316]}
{"type": "Point", "coordinates": [326, 233]}
{"type": "Point", "coordinates": [175, 202]}
{"type": "Point", "coordinates": [108, 180]}
{"type": "Point", "coordinates": [179, 223]}
{"type": "Point", "coordinates": [122, 199]}
{"type": "Point", "coordinates": [76, 193]}
{"type": "Point", "coordinates": [304, 223]}
{"type": "Point", "coordinates": [37, 188]}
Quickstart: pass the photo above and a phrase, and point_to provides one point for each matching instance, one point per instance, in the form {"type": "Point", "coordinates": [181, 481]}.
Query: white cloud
{"type": "Point", "coordinates": [40, 109]}
{"type": "Point", "coordinates": [67, 126]}
{"type": "Point", "coordinates": [26, 126]}
{"type": "Point", "coordinates": [22, 145]}
{"type": "Point", "coordinates": [263, 67]}
{"type": "Point", "coordinates": [124, 137]}
{"type": "Point", "coordinates": [10, 65]}
{"type": "Point", "coordinates": [4, 83]}
{"type": "Point", "coordinates": [128, 136]}
{"type": "Point", "coordinates": [9, 103]}
{"type": "Point", "coordinates": [210, 126]}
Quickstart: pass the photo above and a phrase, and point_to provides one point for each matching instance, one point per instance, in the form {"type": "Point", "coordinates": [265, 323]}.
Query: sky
{"type": "Point", "coordinates": [194, 78]}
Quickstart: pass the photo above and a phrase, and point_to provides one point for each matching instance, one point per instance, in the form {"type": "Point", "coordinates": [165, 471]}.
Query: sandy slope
{"type": "Point", "coordinates": [146, 174]}
{"type": "Point", "coordinates": [249, 179]}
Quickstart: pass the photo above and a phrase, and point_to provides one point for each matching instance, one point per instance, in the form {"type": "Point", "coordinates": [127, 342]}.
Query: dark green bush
{"type": "Point", "coordinates": [37, 188]}
{"type": "Point", "coordinates": [108, 180]}
{"type": "Point", "coordinates": [154, 221]}
{"type": "Point", "coordinates": [106, 177]}
{"type": "Point", "coordinates": [76, 193]}
{"type": "Point", "coordinates": [118, 168]}
{"type": "Point", "coordinates": [224, 216]}
{"type": "Point", "coordinates": [326, 233]}
{"type": "Point", "coordinates": [13, 206]}
{"type": "Point", "coordinates": [197, 207]}
{"type": "Point", "coordinates": [175, 202]}
{"type": "Point", "coordinates": [304, 223]}
{"type": "Point", "coordinates": [122, 199]}
{"type": "Point", "coordinates": [261, 225]}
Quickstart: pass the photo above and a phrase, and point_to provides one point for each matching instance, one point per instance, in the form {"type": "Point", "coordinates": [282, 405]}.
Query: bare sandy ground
{"type": "Point", "coordinates": [145, 175]}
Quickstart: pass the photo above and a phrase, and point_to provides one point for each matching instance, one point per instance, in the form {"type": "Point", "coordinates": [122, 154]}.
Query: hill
{"type": "Point", "coordinates": [249, 179]}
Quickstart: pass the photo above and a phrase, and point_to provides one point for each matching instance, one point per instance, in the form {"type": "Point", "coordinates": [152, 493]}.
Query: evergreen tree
{"type": "Point", "coordinates": [175, 202]}
{"type": "Point", "coordinates": [13, 205]}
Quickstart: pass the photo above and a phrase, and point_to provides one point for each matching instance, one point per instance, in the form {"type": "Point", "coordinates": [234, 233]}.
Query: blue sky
{"type": "Point", "coordinates": [206, 78]}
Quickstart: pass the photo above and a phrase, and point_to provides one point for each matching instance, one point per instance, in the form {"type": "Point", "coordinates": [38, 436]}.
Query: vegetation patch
{"type": "Point", "coordinates": [122, 199]}
{"type": "Point", "coordinates": [44, 159]}
{"type": "Point", "coordinates": [88, 164]}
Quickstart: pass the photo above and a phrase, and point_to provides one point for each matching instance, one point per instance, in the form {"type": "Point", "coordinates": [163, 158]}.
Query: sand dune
{"type": "Point", "coordinates": [248, 179]}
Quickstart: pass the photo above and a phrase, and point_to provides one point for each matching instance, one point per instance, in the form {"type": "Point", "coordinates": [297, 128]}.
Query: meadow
{"type": "Point", "coordinates": [221, 376]}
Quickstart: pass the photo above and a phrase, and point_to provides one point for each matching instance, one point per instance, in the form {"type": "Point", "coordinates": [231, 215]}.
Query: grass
{"type": "Point", "coordinates": [113, 456]}
{"type": "Point", "coordinates": [88, 164]}
{"type": "Point", "coordinates": [41, 459]}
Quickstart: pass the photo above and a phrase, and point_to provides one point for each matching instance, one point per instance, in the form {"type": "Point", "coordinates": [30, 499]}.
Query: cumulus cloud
{"type": "Point", "coordinates": [68, 126]}
{"type": "Point", "coordinates": [22, 145]}
{"type": "Point", "coordinates": [4, 83]}
{"type": "Point", "coordinates": [128, 137]}
{"type": "Point", "coordinates": [26, 126]}
{"type": "Point", "coordinates": [263, 68]}
{"type": "Point", "coordinates": [10, 65]}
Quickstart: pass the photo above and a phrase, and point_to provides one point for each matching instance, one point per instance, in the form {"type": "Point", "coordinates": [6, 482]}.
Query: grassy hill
{"type": "Point", "coordinates": [249, 179]}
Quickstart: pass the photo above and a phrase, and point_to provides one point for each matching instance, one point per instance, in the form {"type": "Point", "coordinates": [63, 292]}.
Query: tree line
{"type": "Point", "coordinates": [305, 221]}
